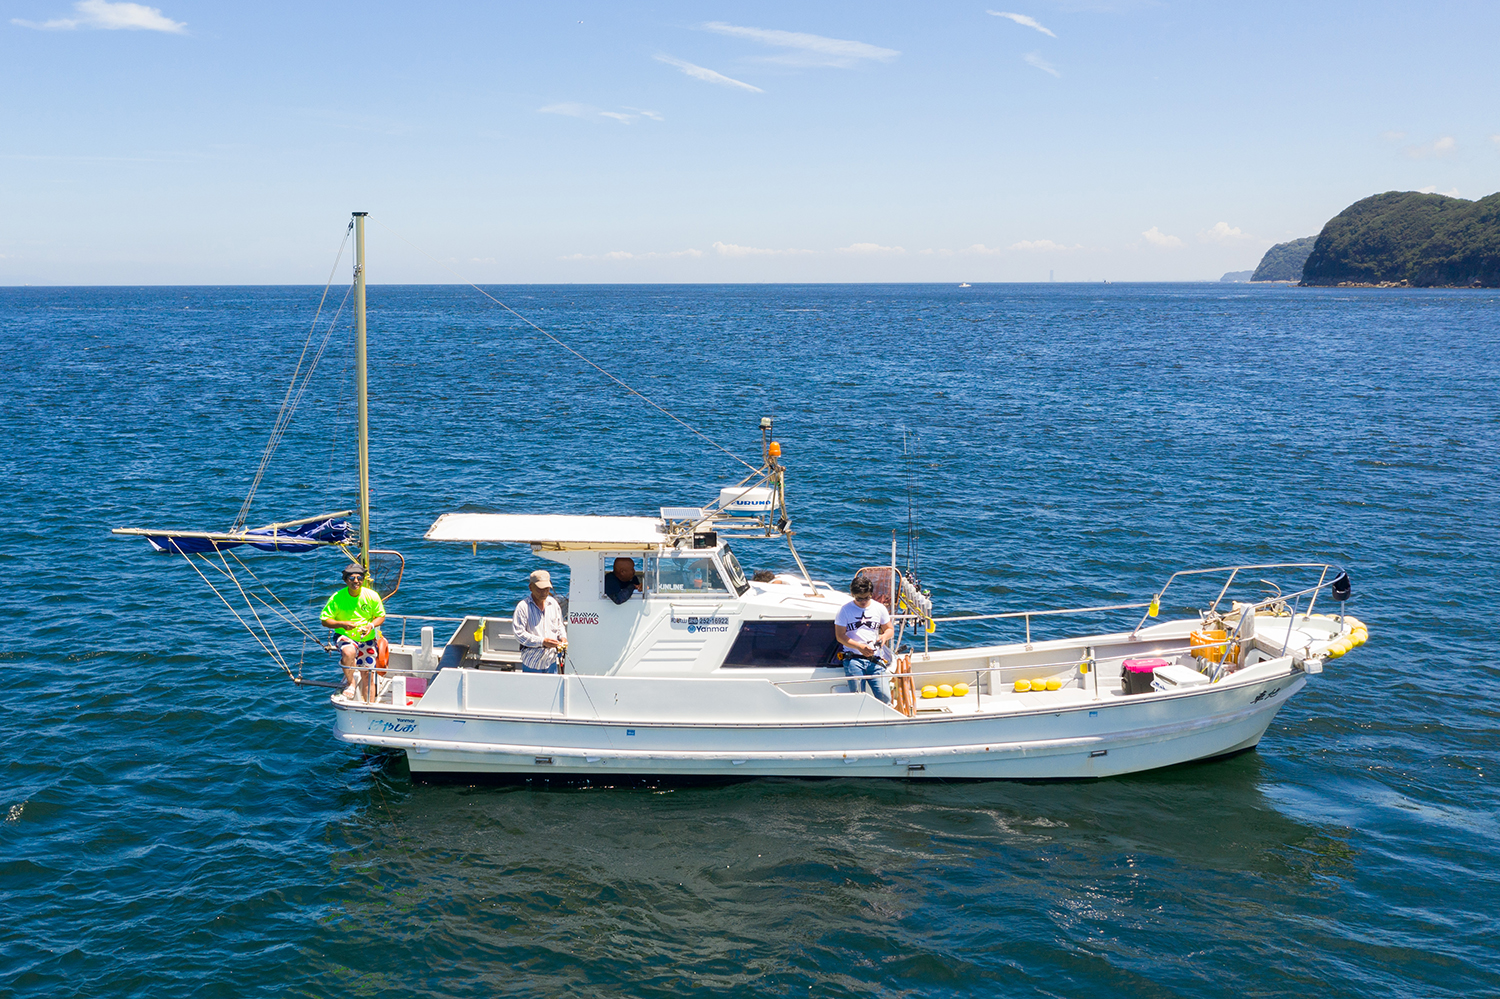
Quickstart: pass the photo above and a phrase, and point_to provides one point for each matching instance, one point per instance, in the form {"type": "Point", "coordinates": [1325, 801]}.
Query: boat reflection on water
{"type": "Point", "coordinates": [775, 882]}
{"type": "Point", "coordinates": [1212, 813]}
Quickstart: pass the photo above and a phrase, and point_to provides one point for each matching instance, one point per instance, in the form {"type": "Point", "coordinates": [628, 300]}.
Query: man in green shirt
{"type": "Point", "coordinates": [356, 613]}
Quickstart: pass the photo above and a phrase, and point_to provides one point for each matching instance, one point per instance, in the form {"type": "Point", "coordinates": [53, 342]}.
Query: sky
{"type": "Point", "coordinates": [997, 140]}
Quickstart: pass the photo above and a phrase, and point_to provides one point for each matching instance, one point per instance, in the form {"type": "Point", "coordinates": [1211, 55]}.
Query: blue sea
{"type": "Point", "coordinates": [180, 821]}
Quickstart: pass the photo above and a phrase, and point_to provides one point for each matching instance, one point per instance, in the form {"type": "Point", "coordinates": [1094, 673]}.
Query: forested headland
{"type": "Point", "coordinates": [1406, 238]}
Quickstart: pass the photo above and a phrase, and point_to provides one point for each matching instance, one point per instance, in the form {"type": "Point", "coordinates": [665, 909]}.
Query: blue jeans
{"type": "Point", "coordinates": [862, 666]}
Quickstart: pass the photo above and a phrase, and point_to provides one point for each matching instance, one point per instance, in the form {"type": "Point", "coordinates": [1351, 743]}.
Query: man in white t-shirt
{"type": "Point", "coordinates": [863, 626]}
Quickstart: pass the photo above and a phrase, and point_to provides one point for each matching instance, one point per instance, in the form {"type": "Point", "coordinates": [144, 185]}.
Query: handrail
{"type": "Point", "coordinates": [987, 669]}
{"type": "Point", "coordinates": [1028, 615]}
{"type": "Point", "coordinates": [1233, 571]}
{"type": "Point", "coordinates": [1040, 613]}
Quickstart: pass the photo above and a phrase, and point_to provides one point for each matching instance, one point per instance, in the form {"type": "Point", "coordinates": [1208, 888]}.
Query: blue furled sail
{"type": "Point", "coordinates": [322, 531]}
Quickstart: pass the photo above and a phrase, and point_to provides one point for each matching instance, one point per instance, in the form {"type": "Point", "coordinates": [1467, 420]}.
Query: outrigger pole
{"type": "Point", "coordinates": [362, 389]}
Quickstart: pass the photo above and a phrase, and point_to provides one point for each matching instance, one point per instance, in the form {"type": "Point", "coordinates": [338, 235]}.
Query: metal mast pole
{"type": "Point", "coordinates": [362, 389]}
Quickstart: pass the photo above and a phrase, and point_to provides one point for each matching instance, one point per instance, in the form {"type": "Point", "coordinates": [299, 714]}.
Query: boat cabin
{"type": "Point", "coordinates": [698, 613]}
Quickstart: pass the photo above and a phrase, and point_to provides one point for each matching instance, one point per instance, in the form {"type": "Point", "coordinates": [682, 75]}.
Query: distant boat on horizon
{"type": "Point", "coordinates": [966, 285]}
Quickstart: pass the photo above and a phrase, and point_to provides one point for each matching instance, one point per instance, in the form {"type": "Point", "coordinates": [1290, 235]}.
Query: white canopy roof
{"type": "Point", "coordinates": [549, 529]}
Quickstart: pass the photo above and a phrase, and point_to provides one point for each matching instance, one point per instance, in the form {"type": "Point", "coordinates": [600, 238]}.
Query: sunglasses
{"type": "Point", "coordinates": [353, 576]}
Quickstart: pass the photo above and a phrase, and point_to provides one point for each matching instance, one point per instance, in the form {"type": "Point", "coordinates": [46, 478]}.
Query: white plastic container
{"type": "Point", "coordinates": [1173, 677]}
{"type": "Point", "coordinates": [738, 499]}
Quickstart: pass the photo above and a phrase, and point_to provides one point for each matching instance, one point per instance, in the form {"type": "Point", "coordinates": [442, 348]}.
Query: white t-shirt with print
{"type": "Point", "coordinates": [862, 624]}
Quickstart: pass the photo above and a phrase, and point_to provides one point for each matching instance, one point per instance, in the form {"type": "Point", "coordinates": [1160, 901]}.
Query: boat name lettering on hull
{"type": "Point", "coordinates": [401, 726]}
{"type": "Point", "coordinates": [582, 617]}
{"type": "Point", "coordinates": [1265, 694]}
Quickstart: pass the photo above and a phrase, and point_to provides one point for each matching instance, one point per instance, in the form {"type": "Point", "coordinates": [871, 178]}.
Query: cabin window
{"type": "Point", "coordinates": [686, 576]}
{"type": "Point", "coordinates": [736, 574]}
{"type": "Point", "coordinates": [607, 568]}
{"type": "Point", "coordinates": [762, 644]}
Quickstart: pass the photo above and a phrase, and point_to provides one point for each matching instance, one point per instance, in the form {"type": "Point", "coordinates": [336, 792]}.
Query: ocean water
{"type": "Point", "coordinates": [179, 821]}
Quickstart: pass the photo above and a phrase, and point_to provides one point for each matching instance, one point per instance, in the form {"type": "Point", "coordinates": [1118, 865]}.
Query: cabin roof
{"type": "Point", "coordinates": [549, 529]}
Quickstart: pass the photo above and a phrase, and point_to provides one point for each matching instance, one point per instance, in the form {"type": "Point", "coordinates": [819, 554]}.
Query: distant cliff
{"type": "Point", "coordinates": [1406, 238]}
{"type": "Point", "coordinates": [1283, 262]}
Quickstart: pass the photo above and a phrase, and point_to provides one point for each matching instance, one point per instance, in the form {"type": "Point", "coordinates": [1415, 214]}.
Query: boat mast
{"type": "Point", "coordinates": [362, 389]}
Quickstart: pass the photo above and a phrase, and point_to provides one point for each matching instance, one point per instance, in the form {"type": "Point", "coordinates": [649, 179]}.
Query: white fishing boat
{"type": "Point", "coordinates": [704, 672]}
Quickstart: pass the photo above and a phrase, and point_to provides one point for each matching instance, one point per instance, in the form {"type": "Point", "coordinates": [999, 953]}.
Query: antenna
{"type": "Point", "coordinates": [912, 535]}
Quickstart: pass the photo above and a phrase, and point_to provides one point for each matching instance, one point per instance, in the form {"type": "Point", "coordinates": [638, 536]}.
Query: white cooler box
{"type": "Point", "coordinates": [1174, 677]}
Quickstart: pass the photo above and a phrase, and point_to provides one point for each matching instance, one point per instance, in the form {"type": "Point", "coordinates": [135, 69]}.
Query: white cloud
{"type": "Point", "coordinates": [1432, 189]}
{"type": "Point", "coordinates": [571, 110]}
{"type": "Point", "coordinates": [1156, 237]}
{"type": "Point", "coordinates": [981, 248]}
{"type": "Point", "coordinates": [587, 111]}
{"type": "Point", "coordinates": [1023, 20]}
{"type": "Point", "coordinates": [805, 49]}
{"type": "Point", "coordinates": [733, 250]}
{"type": "Point", "coordinates": [627, 255]}
{"type": "Point", "coordinates": [1042, 246]}
{"type": "Point", "coordinates": [708, 75]}
{"type": "Point", "coordinates": [1445, 146]}
{"type": "Point", "coordinates": [868, 248]}
{"type": "Point", "coordinates": [1223, 232]}
{"type": "Point", "coordinates": [1035, 59]}
{"type": "Point", "coordinates": [108, 16]}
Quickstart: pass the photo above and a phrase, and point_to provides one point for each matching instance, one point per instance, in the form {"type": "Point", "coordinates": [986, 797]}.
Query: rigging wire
{"type": "Point", "coordinates": [270, 649]}
{"type": "Point", "coordinates": [288, 405]}
{"type": "Point", "coordinates": [618, 381]}
{"type": "Point", "coordinates": [911, 507]}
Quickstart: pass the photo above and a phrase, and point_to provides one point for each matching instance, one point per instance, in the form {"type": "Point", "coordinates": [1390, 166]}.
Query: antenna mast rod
{"type": "Point", "coordinates": [362, 389]}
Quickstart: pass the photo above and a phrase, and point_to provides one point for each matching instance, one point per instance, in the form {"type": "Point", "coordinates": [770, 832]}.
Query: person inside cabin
{"type": "Point", "coordinates": [863, 626]}
{"type": "Point", "coordinates": [620, 584]}
{"type": "Point", "coordinates": [538, 626]}
{"type": "Point", "coordinates": [356, 613]}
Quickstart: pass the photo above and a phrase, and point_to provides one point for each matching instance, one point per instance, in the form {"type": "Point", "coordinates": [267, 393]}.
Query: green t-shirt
{"type": "Point", "coordinates": [363, 609]}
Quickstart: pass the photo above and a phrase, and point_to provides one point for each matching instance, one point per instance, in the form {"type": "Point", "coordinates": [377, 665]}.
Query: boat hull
{"type": "Point", "coordinates": [1092, 738]}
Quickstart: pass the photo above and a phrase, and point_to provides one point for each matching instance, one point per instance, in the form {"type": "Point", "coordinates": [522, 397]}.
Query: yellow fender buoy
{"type": "Point", "coordinates": [1054, 684]}
{"type": "Point", "coordinates": [1022, 686]}
{"type": "Point", "coordinates": [945, 690]}
{"type": "Point", "coordinates": [929, 691]}
{"type": "Point", "coordinates": [960, 690]}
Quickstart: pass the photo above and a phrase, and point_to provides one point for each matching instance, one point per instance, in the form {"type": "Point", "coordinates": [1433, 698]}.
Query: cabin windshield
{"type": "Point", "coordinates": [736, 574]}
{"type": "Point", "coordinates": [686, 575]}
